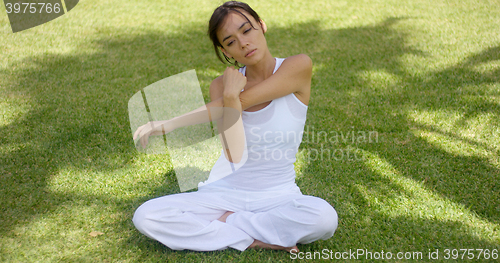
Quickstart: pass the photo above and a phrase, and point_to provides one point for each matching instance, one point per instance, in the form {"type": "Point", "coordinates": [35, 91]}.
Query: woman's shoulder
{"type": "Point", "coordinates": [301, 61]}
{"type": "Point", "coordinates": [300, 66]}
{"type": "Point", "coordinates": [217, 81]}
{"type": "Point", "coordinates": [297, 70]}
{"type": "Point", "coordinates": [300, 58]}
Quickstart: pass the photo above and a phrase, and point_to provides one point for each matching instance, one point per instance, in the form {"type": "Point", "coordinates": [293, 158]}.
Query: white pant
{"type": "Point", "coordinates": [189, 220]}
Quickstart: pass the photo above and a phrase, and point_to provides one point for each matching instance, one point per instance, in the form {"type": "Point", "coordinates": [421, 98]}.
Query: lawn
{"type": "Point", "coordinates": [405, 96]}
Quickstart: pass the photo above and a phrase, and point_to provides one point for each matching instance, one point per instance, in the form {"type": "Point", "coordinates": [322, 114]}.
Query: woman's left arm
{"type": "Point", "coordinates": [293, 76]}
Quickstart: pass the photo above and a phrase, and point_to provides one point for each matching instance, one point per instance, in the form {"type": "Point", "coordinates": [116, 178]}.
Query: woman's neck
{"type": "Point", "coordinates": [262, 70]}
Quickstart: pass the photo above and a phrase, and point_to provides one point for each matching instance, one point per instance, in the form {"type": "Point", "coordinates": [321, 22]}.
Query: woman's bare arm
{"type": "Point", "coordinates": [294, 76]}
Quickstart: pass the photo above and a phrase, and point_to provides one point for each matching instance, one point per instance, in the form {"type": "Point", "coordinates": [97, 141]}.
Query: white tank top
{"type": "Point", "coordinates": [273, 135]}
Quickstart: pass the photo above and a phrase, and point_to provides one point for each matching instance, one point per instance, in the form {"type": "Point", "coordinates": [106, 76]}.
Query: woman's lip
{"type": "Point", "coordinates": [251, 53]}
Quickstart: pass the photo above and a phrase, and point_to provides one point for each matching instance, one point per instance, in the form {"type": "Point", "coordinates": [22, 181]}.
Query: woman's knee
{"type": "Point", "coordinates": [326, 218]}
{"type": "Point", "coordinates": [329, 219]}
{"type": "Point", "coordinates": [148, 214]}
{"type": "Point", "coordinates": [140, 218]}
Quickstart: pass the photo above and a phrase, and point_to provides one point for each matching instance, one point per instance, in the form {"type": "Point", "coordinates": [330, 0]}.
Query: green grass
{"type": "Point", "coordinates": [424, 75]}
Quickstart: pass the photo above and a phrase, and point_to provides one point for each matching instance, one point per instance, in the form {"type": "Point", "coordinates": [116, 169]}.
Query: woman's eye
{"type": "Point", "coordinates": [228, 44]}
{"type": "Point", "coordinates": [248, 30]}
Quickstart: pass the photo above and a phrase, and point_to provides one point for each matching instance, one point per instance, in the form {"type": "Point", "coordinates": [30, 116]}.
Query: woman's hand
{"type": "Point", "coordinates": [233, 82]}
{"type": "Point", "coordinates": [152, 128]}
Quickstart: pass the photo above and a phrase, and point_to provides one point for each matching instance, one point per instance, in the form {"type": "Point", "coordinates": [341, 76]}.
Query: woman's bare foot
{"type": "Point", "coordinates": [224, 216]}
{"type": "Point", "coordinates": [259, 244]}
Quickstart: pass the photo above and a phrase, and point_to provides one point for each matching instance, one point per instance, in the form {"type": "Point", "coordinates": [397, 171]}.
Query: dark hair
{"type": "Point", "coordinates": [218, 18]}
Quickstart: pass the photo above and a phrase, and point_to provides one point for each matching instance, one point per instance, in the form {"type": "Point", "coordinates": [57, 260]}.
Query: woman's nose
{"type": "Point", "coordinates": [243, 42]}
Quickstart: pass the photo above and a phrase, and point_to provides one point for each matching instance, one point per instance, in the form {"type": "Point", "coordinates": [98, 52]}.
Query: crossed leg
{"type": "Point", "coordinates": [201, 222]}
{"type": "Point", "coordinates": [188, 221]}
{"type": "Point", "coordinates": [259, 244]}
{"type": "Point", "coordinates": [298, 219]}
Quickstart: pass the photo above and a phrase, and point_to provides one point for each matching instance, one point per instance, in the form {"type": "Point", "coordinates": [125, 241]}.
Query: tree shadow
{"type": "Point", "coordinates": [78, 119]}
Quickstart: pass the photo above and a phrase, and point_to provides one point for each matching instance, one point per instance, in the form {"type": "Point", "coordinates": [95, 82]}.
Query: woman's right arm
{"type": "Point", "coordinates": [212, 111]}
{"type": "Point", "coordinates": [206, 113]}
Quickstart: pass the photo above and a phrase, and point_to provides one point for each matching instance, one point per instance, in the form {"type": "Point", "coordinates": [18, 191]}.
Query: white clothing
{"type": "Point", "coordinates": [189, 220]}
{"type": "Point", "coordinates": [267, 203]}
{"type": "Point", "coordinates": [273, 135]}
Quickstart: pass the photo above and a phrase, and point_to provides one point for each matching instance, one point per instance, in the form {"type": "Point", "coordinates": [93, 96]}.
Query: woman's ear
{"type": "Point", "coordinates": [225, 53]}
{"type": "Point", "coordinates": [263, 25]}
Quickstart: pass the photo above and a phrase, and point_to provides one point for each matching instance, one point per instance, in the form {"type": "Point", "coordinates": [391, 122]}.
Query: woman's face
{"type": "Point", "coordinates": [241, 41]}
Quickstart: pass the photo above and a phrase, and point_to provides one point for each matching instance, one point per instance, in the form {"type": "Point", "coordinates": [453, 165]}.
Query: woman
{"type": "Point", "coordinates": [259, 204]}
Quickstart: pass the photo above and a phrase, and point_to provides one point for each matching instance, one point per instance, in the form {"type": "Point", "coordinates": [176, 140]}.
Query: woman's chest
{"type": "Point", "coordinates": [258, 107]}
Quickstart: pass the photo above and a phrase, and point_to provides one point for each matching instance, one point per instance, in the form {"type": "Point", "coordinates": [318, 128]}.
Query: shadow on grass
{"type": "Point", "coordinates": [78, 119]}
